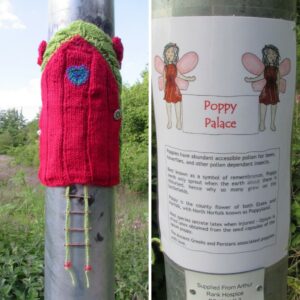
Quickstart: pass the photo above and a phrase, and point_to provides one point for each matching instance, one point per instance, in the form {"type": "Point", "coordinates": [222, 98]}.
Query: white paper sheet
{"type": "Point", "coordinates": [224, 157]}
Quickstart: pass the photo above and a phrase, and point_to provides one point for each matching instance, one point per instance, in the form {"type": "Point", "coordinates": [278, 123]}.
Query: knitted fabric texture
{"type": "Point", "coordinates": [79, 141]}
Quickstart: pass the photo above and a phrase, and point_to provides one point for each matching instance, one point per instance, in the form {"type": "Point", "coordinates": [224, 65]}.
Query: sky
{"type": "Point", "coordinates": [23, 25]}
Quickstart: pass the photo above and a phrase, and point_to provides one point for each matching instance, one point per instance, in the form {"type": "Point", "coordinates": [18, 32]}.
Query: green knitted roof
{"type": "Point", "coordinates": [92, 34]}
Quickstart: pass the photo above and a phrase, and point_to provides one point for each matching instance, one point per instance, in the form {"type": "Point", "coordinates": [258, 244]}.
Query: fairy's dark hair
{"type": "Point", "coordinates": [176, 53]}
{"type": "Point", "coordinates": [265, 52]}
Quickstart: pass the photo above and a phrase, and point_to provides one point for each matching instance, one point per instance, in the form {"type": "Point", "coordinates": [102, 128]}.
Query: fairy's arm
{"type": "Point", "coordinates": [187, 78]}
{"type": "Point", "coordinates": [253, 79]}
{"type": "Point", "coordinates": [164, 77]}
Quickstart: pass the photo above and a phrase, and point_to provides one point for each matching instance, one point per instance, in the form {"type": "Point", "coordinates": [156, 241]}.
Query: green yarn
{"type": "Point", "coordinates": [67, 234]}
{"type": "Point", "coordinates": [86, 233]}
{"type": "Point", "coordinates": [92, 34]}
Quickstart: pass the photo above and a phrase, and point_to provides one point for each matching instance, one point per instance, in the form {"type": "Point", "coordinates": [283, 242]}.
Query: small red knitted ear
{"type": "Point", "coordinates": [118, 47]}
{"type": "Point", "coordinates": [42, 48]}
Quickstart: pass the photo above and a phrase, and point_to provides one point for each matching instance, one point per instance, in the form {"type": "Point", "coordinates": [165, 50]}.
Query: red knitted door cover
{"type": "Point", "coordinates": [80, 118]}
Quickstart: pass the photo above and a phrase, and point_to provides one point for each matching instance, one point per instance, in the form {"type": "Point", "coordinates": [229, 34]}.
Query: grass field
{"type": "Point", "coordinates": [22, 237]}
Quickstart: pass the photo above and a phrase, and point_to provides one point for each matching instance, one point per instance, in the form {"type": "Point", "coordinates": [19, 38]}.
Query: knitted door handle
{"type": "Point", "coordinates": [80, 117]}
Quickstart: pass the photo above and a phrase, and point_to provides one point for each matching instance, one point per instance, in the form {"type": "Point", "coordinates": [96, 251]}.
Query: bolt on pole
{"type": "Point", "coordinates": [58, 284]}
{"type": "Point", "coordinates": [223, 89]}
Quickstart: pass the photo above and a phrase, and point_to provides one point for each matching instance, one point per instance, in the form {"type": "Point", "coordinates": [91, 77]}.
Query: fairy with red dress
{"type": "Point", "coordinates": [173, 79]}
{"type": "Point", "coordinates": [269, 80]}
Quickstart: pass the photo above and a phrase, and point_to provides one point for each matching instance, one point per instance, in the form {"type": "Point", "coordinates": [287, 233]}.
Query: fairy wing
{"type": "Point", "coordinates": [181, 83]}
{"type": "Point", "coordinates": [159, 64]}
{"type": "Point", "coordinates": [284, 69]}
{"type": "Point", "coordinates": [187, 62]}
{"type": "Point", "coordinates": [258, 86]}
{"type": "Point", "coordinates": [159, 67]}
{"type": "Point", "coordinates": [252, 64]}
{"type": "Point", "coordinates": [282, 85]}
{"type": "Point", "coordinates": [161, 83]}
{"type": "Point", "coordinates": [255, 66]}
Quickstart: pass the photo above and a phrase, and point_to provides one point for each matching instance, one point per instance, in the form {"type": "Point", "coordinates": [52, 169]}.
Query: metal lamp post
{"type": "Point", "coordinates": [188, 275]}
{"type": "Point", "coordinates": [101, 199]}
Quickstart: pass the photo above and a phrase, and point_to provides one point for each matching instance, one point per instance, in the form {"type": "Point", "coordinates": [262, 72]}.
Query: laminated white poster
{"type": "Point", "coordinates": [223, 90]}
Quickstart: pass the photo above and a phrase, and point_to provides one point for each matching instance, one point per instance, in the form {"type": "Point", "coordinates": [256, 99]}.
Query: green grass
{"type": "Point", "coordinates": [21, 239]}
{"type": "Point", "coordinates": [131, 248]}
{"type": "Point", "coordinates": [22, 242]}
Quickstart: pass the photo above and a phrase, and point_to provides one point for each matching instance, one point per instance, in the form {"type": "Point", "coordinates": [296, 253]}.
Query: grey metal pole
{"type": "Point", "coordinates": [58, 284]}
{"type": "Point", "coordinates": [98, 12]}
{"type": "Point", "coordinates": [275, 287]}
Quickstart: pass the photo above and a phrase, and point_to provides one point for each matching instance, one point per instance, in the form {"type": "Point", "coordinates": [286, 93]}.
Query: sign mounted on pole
{"type": "Point", "coordinates": [223, 88]}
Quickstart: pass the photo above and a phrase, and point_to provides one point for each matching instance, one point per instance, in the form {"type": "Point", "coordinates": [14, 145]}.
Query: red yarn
{"type": "Point", "coordinates": [42, 48]}
{"type": "Point", "coordinates": [68, 265]}
{"type": "Point", "coordinates": [118, 47]}
{"type": "Point", "coordinates": [87, 268]}
{"type": "Point", "coordinates": [79, 141]}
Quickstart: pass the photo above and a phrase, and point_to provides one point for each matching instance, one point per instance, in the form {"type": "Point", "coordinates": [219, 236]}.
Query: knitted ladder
{"type": "Point", "coordinates": [68, 229]}
{"type": "Point", "coordinates": [87, 267]}
{"type": "Point", "coordinates": [68, 262]}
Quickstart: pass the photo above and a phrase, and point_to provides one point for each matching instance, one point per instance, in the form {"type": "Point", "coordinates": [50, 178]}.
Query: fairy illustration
{"type": "Point", "coordinates": [173, 79]}
{"type": "Point", "coordinates": [269, 80]}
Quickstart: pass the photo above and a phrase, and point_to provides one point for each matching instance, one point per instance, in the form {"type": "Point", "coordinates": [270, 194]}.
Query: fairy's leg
{"type": "Point", "coordinates": [273, 116]}
{"type": "Point", "coordinates": [169, 114]}
{"type": "Point", "coordinates": [262, 115]}
{"type": "Point", "coordinates": [178, 109]}
{"type": "Point", "coordinates": [181, 113]}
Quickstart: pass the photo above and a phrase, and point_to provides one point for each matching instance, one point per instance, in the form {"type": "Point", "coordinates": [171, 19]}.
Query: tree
{"type": "Point", "coordinates": [134, 136]}
{"type": "Point", "coordinates": [12, 128]}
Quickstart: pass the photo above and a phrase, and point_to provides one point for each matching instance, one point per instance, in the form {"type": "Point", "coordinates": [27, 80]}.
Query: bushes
{"type": "Point", "coordinates": [6, 142]}
{"type": "Point", "coordinates": [131, 259]}
{"type": "Point", "coordinates": [22, 241]}
{"type": "Point", "coordinates": [21, 263]}
{"type": "Point", "coordinates": [134, 136]}
{"type": "Point", "coordinates": [12, 133]}
{"type": "Point", "coordinates": [20, 140]}
{"type": "Point", "coordinates": [26, 153]}
{"type": "Point", "coordinates": [134, 167]}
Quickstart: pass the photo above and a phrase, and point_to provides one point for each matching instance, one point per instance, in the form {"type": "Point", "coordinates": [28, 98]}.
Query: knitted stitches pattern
{"type": "Point", "coordinates": [92, 34]}
{"type": "Point", "coordinates": [80, 120]}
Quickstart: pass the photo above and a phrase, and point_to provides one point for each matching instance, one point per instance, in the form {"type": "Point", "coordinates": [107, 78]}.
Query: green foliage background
{"type": "Point", "coordinates": [12, 129]}
{"type": "Point", "coordinates": [22, 204]}
{"type": "Point", "coordinates": [134, 137]}
{"type": "Point", "coordinates": [19, 139]}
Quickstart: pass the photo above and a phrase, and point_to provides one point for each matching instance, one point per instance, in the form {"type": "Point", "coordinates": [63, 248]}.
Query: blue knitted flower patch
{"type": "Point", "coordinates": [78, 75]}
